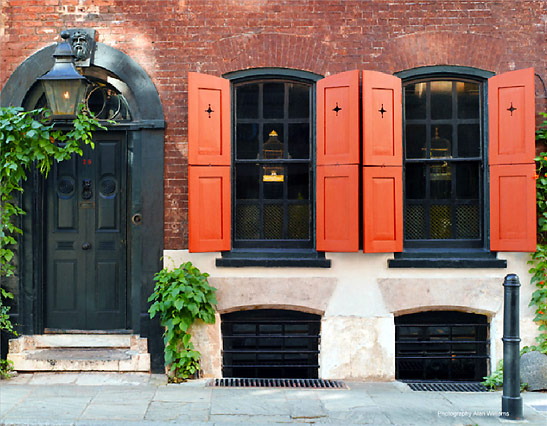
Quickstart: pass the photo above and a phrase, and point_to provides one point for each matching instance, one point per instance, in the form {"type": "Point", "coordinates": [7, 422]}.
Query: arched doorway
{"type": "Point", "coordinates": [111, 191]}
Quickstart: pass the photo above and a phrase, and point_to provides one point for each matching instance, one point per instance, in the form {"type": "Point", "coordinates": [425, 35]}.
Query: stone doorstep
{"type": "Point", "coordinates": [133, 342]}
{"type": "Point", "coordinates": [80, 352]}
{"type": "Point", "coordinates": [81, 360]}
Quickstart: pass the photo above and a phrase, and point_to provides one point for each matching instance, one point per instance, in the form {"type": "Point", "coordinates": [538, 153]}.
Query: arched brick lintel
{"type": "Point", "coordinates": [443, 48]}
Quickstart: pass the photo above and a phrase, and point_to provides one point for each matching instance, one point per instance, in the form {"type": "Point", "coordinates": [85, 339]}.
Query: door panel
{"type": "Point", "coordinates": [86, 238]}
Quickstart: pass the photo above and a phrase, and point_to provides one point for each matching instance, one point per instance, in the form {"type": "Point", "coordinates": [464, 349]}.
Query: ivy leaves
{"type": "Point", "coordinates": [181, 296]}
{"type": "Point", "coordinates": [539, 258]}
{"type": "Point", "coordinates": [27, 139]}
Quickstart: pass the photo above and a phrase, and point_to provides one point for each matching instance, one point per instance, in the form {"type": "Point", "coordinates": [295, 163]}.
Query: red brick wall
{"type": "Point", "coordinates": [168, 38]}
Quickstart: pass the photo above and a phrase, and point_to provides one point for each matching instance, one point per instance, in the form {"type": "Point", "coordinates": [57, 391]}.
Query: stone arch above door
{"type": "Point", "coordinates": [141, 94]}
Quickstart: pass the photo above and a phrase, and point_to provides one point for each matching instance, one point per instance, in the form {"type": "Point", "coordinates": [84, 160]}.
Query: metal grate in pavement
{"type": "Point", "coordinates": [277, 383]}
{"type": "Point", "coordinates": [447, 387]}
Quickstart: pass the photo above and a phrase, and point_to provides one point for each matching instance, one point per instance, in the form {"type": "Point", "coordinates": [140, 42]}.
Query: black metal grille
{"type": "Point", "coordinates": [277, 383]}
{"type": "Point", "coordinates": [441, 346]}
{"type": "Point", "coordinates": [270, 343]}
{"type": "Point", "coordinates": [447, 387]}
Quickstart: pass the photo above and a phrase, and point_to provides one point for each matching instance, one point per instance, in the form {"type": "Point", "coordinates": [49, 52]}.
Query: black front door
{"type": "Point", "coordinates": [86, 238]}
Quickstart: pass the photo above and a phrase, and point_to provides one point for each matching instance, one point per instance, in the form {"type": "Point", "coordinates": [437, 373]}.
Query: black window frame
{"type": "Point", "coordinates": [436, 253]}
{"type": "Point", "coordinates": [282, 255]}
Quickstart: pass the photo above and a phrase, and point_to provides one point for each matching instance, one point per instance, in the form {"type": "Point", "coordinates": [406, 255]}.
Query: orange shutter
{"type": "Point", "coordinates": [209, 159]}
{"type": "Point", "coordinates": [338, 162]}
{"type": "Point", "coordinates": [209, 132]}
{"type": "Point", "coordinates": [337, 208]}
{"type": "Point", "coordinates": [383, 163]}
{"type": "Point", "coordinates": [511, 113]}
{"type": "Point", "coordinates": [382, 123]}
{"type": "Point", "coordinates": [382, 209]}
{"type": "Point", "coordinates": [338, 119]}
{"type": "Point", "coordinates": [512, 208]}
{"type": "Point", "coordinates": [209, 208]}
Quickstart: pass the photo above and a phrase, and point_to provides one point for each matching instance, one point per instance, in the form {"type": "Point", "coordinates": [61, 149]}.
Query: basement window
{"type": "Point", "coordinates": [441, 346]}
{"type": "Point", "coordinates": [270, 343]}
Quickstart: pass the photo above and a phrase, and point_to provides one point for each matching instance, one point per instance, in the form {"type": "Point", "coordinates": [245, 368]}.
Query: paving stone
{"type": "Point", "coordinates": [53, 378]}
{"type": "Point", "coordinates": [171, 411]}
{"type": "Point", "coordinates": [104, 411]}
{"type": "Point", "coordinates": [225, 419]}
{"type": "Point", "coordinates": [179, 394]}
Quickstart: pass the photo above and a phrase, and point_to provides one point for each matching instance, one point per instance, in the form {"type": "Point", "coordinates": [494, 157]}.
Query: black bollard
{"type": "Point", "coordinates": [511, 401]}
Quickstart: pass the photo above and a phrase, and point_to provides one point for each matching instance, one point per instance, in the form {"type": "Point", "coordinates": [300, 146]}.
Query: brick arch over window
{"type": "Point", "coordinates": [434, 48]}
{"type": "Point", "coordinates": [274, 50]}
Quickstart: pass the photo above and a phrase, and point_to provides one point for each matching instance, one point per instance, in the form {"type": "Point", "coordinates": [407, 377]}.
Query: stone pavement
{"type": "Point", "coordinates": [142, 399]}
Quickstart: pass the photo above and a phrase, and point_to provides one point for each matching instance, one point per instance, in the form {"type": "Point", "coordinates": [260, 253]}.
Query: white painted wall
{"type": "Point", "coordinates": [358, 298]}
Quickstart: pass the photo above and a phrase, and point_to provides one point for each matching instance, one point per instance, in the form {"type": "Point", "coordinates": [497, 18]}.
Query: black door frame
{"type": "Point", "coordinates": [145, 146]}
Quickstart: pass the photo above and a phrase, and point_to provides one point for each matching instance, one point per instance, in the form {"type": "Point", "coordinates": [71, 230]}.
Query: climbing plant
{"type": "Point", "coordinates": [181, 296]}
{"type": "Point", "coordinates": [539, 258]}
{"type": "Point", "coordinates": [29, 139]}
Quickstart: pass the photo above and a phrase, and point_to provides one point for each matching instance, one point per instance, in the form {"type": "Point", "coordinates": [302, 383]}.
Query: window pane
{"type": "Point", "coordinates": [415, 222]}
{"type": "Point", "coordinates": [441, 145]}
{"type": "Point", "coordinates": [415, 181]}
{"type": "Point", "coordinates": [274, 97]}
{"type": "Point", "coordinates": [467, 181]}
{"type": "Point", "coordinates": [415, 140]}
{"type": "Point", "coordinates": [247, 141]}
{"type": "Point", "coordinates": [273, 221]}
{"type": "Point", "coordinates": [298, 182]}
{"type": "Point", "coordinates": [440, 181]}
{"type": "Point", "coordinates": [469, 140]}
{"type": "Point", "coordinates": [299, 222]}
{"type": "Point", "coordinates": [415, 101]}
{"type": "Point", "coordinates": [468, 100]}
{"type": "Point", "coordinates": [274, 190]}
{"type": "Point", "coordinates": [247, 101]}
{"type": "Point", "coordinates": [467, 221]}
{"type": "Point", "coordinates": [299, 140]}
{"type": "Point", "coordinates": [441, 99]}
{"type": "Point", "coordinates": [440, 222]}
{"type": "Point", "coordinates": [247, 181]}
{"type": "Point", "coordinates": [273, 141]}
{"type": "Point", "coordinates": [299, 101]}
{"type": "Point", "coordinates": [247, 221]}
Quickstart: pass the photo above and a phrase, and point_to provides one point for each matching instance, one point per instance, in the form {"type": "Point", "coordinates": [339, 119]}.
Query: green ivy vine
{"type": "Point", "coordinates": [181, 296]}
{"type": "Point", "coordinates": [539, 258]}
{"type": "Point", "coordinates": [29, 139]}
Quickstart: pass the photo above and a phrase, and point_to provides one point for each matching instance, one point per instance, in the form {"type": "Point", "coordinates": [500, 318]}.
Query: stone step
{"type": "Point", "coordinates": [80, 352]}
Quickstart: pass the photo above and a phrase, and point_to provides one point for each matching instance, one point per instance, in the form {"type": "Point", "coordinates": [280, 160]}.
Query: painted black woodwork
{"type": "Point", "coordinates": [86, 267]}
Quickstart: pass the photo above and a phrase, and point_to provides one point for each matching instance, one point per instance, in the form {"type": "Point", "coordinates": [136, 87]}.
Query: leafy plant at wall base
{"type": "Point", "coordinates": [495, 380]}
{"type": "Point", "coordinates": [27, 140]}
{"type": "Point", "coordinates": [539, 258]}
{"type": "Point", "coordinates": [180, 297]}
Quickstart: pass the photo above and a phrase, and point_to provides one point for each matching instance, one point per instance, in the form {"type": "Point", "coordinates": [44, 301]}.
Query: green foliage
{"type": "Point", "coordinates": [539, 258]}
{"type": "Point", "coordinates": [181, 296]}
{"type": "Point", "coordinates": [6, 367]}
{"type": "Point", "coordinates": [495, 380]}
{"type": "Point", "coordinates": [27, 139]}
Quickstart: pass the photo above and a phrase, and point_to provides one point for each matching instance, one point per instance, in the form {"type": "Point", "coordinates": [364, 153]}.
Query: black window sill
{"type": "Point", "coordinates": [446, 259]}
{"type": "Point", "coordinates": [273, 258]}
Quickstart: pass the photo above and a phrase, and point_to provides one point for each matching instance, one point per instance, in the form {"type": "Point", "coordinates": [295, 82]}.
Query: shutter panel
{"type": "Point", "coordinates": [337, 208]}
{"type": "Point", "coordinates": [382, 122]}
{"type": "Point", "coordinates": [337, 186]}
{"type": "Point", "coordinates": [209, 208]}
{"type": "Point", "coordinates": [338, 119]}
{"type": "Point", "coordinates": [209, 158]}
{"type": "Point", "coordinates": [511, 113]}
{"type": "Point", "coordinates": [209, 133]}
{"type": "Point", "coordinates": [382, 209]}
{"type": "Point", "coordinates": [383, 163]}
{"type": "Point", "coordinates": [513, 208]}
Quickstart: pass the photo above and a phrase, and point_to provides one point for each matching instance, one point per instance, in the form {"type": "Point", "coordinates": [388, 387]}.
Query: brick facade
{"type": "Point", "coordinates": [169, 38]}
